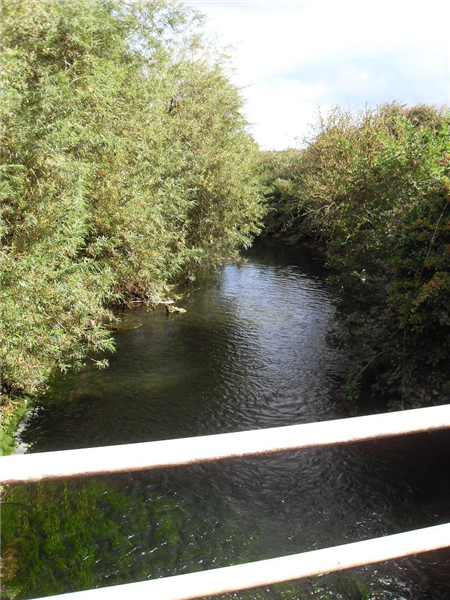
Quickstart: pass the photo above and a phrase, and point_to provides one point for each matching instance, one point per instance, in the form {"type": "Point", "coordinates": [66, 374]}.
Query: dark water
{"type": "Point", "coordinates": [250, 352]}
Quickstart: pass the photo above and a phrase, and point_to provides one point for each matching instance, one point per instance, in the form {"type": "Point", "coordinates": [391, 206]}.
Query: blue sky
{"type": "Point", "coordinates": [291, 58]}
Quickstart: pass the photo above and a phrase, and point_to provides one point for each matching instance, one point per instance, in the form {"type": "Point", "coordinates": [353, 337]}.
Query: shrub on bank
{"type": "Point", "coordinates": [375, 188]}
{"type": "Point", "coordinates": [126, 165]}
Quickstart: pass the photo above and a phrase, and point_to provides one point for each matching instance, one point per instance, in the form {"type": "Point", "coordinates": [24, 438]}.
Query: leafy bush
{"type": "Point", "coordinates": [375, 188]}
{"type": "Point", "coordinates": [126, 165]}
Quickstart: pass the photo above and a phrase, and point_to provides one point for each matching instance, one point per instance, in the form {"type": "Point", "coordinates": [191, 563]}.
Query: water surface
{"type": "Point", "coordinates": [249, 353]}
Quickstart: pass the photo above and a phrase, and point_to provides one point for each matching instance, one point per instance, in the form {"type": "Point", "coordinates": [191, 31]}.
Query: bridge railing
{"type": "Point", "coordinates": [186, 451]}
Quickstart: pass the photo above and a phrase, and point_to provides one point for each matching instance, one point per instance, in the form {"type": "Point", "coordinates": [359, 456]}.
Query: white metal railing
{"type": "Point", "coordinates": [170, 453]}
{"type": "Point", "coordinates": [187, 451]}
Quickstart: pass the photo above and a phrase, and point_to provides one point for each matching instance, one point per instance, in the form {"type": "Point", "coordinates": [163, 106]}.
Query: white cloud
{"type": "Point", "coordinates": [292, 57]}
{"type": "Point", "coordinates": [279, 111]}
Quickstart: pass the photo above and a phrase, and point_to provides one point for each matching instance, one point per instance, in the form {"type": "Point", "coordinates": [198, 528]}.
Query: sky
{"type": "Point", "coordinates": [293, 58]}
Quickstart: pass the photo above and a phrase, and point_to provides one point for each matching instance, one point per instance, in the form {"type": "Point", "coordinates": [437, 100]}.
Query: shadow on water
{"type": "Point", "coordinates": [250, 352]}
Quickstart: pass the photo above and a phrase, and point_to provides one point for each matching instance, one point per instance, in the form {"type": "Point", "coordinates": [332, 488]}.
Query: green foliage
{"type": "Point", "coordinates": [13, 412]}
{"type": "Point", "coordinates": [126, 165]}
{"type": "Point", "coordinates": [375, 188]}
{"type": "Point", "coordinates": [280, 172]}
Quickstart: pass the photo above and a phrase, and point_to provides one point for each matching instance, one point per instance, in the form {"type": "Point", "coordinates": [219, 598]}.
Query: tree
{"type": "Point", "coordinates": [126, 166]}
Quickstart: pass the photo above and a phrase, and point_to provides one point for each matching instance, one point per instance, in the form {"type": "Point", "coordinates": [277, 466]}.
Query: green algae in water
{"type": "Point", "coordinates": [60, 538]}
{"type": "Point", "coordinates": [67, 537]}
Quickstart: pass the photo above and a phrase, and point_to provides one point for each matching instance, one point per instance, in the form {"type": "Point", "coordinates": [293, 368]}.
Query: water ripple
{"type": "Point", "coordinates": [250, 352]}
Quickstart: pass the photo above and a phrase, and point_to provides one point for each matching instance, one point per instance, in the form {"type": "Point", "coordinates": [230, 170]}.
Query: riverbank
{"type": "Point", "coordinates": [13, 413]}
{"type": "Point", "coordinates": [372, 190]}
{"type": "Point", "coordinates": [120, 201]}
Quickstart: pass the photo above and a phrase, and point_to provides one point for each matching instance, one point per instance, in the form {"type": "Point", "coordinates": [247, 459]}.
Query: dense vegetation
{"type": "Point", "coordinates": [126, 165]}
{"type": "Point", "coordinates": [374, 190]}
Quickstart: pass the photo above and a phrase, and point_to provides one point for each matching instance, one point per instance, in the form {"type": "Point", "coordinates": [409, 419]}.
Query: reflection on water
{"type": "Point", "coordinates": [250, 352]}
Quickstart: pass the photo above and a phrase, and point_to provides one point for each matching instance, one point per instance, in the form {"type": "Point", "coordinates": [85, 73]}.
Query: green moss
{"type": "Point", "coordinates": [13, 412]}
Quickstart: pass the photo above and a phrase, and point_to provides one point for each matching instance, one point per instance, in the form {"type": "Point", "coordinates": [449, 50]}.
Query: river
{"type": "Point", "coordinates": [250, 352]}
